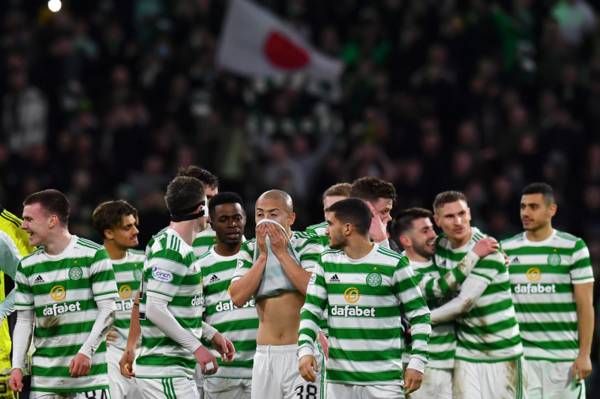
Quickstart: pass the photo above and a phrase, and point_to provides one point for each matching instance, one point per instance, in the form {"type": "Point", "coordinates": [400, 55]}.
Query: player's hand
{"type": "Point", "coordinates": [206, 360]}
{"type": "Point", "coordinates": [224, 346]}
{"type": "Point", "coordinates": [412, 380]}
{"type": "Point", "coordinates": [324, 344]}
{"type": "Point", "coordinates": [582, 367]}
{"type": "Point", "coordinates": [261, 239]}
{"type": "Point", "coordinates": [377, 230]}
{"type": "Point", "coordinates": [111, 337]}
{"type": "Point", "coordinates": [308, 368]}
{"type": "Point", "coordinates": [80, 365]}
{"type": "Point", "coordinates": [15, 382]}
{"type": "Point", "coordinates": [126, 363]}
{"type": "Point", "coordinates": [279, 240]}
{"type": "Point", "coordinates": [485, 247]}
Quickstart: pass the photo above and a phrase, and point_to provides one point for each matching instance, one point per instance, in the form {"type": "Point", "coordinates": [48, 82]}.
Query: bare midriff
{"type": "Point", "coordinates": [279, 319]}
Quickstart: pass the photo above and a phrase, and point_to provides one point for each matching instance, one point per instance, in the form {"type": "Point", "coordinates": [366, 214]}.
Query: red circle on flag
{"type": "Point", "coordinates": [283, 53]}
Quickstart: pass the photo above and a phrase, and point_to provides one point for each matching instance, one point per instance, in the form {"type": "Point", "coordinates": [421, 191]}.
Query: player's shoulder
{"type": "Point", "coordinates": [514, 240]}
{"type": "Point", "coordinates": [136, 255]}
{"type": "Point", "coordinates": [314, 228]}
{"type": "Point", "coordinates": [330, 252]}
{"type": "Point", "coordinates": [84, 244]}
{"type": "Point", "coordinates": [393, 256]}
{"type": "Point", "coordinates": [303, 239]}
{"type": "Point", "coordinates": [564, 236]}
{"type": "Point", "coordinates": [33, 258]}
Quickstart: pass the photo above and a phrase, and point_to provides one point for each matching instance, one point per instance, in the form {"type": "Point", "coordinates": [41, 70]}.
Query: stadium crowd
{"type": "Point", "coordinates": [108, 99]}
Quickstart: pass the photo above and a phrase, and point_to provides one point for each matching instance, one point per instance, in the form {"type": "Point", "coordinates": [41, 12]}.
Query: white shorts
{"type": "Point", "coordinates": [168, 388]}
{"type": "Point", "coordinates": [478, 380]}
{"type": "Point", "coordinates": [120, 387]}
{"type": "Point", "coordinates": [553, 380]}
{"type": "Point", "coordinates": [346, 391]}
{"type": "Point", "coordinates": [227, 388]}
{"type": "Point", "coordinates": [437, 383]}
{"type": "Point", "coordinates": [97, 394]}
{"type": "Point", "coordinates": [275, 374]}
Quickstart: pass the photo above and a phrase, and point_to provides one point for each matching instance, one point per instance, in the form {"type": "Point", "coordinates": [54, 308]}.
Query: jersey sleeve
{"type": "Point", "coordinates": [245, 260]}
{"type": "Point", "coordinates": [102, 277]}
{"type": "Point", "coordinates": [310, 253]}
{"type": "Point", "coordinates": [488, 267]}
{"type": "Point", "coordinates": [405, 287]}
{"type": "Point", "coordinates": [9, 255]}
{"type": "Point", "coordinates": [165, 272]}
{"type": "Point", "coordinates": [24, 293]}
{"type": "Point", "coordinates": [312, 313]}
{"type": "Point", "coordinates": [581, 267]}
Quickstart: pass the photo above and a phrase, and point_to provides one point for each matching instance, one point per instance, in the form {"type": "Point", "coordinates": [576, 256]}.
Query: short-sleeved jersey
{"type": "Point", "coordinates": [62, 290]}
{"type": "Point", "coordinates": [442, 342]}
{"type": "Point", "coordinates": [171, 272]}
{"type": "Point", "coordinates": [365, 298]}
{"type": "Point", "coordinates": [489, 331]}
{"type": "Point", "coordinates": [542, 275]}
{"type": "Point", "coordinates": [204, 241]}
{"type": "Point", "coordinates": [128, 275]}
{"type": "Point", "coordinates": [307, 245]}
{"type": "Point", "coordinates": [240, 325]}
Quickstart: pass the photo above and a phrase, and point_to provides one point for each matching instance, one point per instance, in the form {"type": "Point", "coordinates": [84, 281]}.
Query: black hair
{"type": "Point", "coordinates": [53, 201]}
{"type": "Point", "coordinates": [226, 197]}
{"type": "Point", "coordinates": [353, 211]}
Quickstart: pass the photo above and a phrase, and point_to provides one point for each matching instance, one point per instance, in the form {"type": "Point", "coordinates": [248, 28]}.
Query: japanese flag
{"type": "Point", "coordinates": [256, 43]}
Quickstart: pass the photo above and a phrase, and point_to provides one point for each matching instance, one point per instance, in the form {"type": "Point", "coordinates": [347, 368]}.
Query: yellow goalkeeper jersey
{"type": "Point", "coordinates": [10, 225]}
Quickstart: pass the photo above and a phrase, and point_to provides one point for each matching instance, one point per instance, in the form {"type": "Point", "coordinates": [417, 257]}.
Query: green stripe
{"type": "Point", "coordinates": [548, 326]}
{"type": "Point", "coordinates": [219, 267]}
{"type": "Point", "coordinates": [545, 307]}
{"type": "Point", "coordinates": [96, 369]}
{"type": "Point", "coordinates": [365, 355]}
{"type": "Point", "coordinates": [488, 346]}
{"type": "Point", "coordinates": [357, 376]}
{"type": "Point", "coordinates": [166, 361]}
{"type": "Point", "coordinates": [544, 251]}
{"type": "Point", "coordinates": [365, 333]}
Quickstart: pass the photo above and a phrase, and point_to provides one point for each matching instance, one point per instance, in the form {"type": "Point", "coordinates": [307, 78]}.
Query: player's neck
{"type": "Point", "coordinates": [461, 242]}
{"type": "Point", "coordinates": [187, 230]}
{"type": "Point", "coordinates": [58, 242]}
{"type": "Point", "coordinates": [115, 252]}
{"type": "Point", "coordinates": [540, 234]}
{"type": "Point", "coordinates": [358, 248]}
{"type": "Point", "coordinates": [224, 249]}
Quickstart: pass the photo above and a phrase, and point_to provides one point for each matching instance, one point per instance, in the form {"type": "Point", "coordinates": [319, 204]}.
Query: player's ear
{"type": "Point", "coordinates": [292, 218]}
{"type": "Point", "coordinates": [404, 241]}
{"type": "Point", "coordinates": [109, 234]}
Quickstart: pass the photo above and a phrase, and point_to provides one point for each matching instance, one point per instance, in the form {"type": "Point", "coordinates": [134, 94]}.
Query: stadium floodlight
{"type": "Point", "coordinates": [54, 5]}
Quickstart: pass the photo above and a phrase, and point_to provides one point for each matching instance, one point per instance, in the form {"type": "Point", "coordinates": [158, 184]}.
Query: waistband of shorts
{"type": "Point", "coordinates": [277, 348]}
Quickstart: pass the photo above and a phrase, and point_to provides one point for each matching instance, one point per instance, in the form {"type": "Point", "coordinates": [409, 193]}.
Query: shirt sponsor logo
{"type": "Point", "coordinates": [125, 291]}
{"type": "Point", "coordinates": [533, 274]}
{"type": "Point", "coordinates": [58, 293]}
{"type": "Point", "coordinates": [124, 305]}
{"type": "Point", "coordinates": [162, 275]}
{"type": "Point", "coordinates": [197, 300]}
{"type": "Point", "coordinates": [227, 306]}
{"type": "Point", "coordinates": [57, 309]}
{"type": "Point", "coordinates": [538, 288]}
{"type": "Point", "coordinates": [351, 295]}
{"type": "Point", "coordinates": [351, 311]}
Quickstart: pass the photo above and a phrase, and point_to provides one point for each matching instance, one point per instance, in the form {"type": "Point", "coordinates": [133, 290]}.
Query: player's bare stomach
{"type": "Point", "coordinates": [279, 319]}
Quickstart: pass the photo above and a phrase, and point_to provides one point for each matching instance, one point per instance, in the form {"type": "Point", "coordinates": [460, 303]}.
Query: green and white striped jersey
{"type": "Point", "coordinates": [128, 274]}
{"type": "Point", "coordinates": [171, 272]}
{"type": "Point", "coordinates": [489, 332]}
{"type": "Point", "coordinates": [542, 275]}
{"type": "Point", "coordinates": [307, 245]}
{"type": "Point", "coordinates": [442, 342]}
{"type": "Point", "coordinates": [319, 230]}
{"type": "Point", "coordinates": [240, 325]}
{"type": "Point", "coordinates": [365, 298]}
{"type": "Point", "coordinates": [204, 241]}
{"type": "Point", "coordinates": [63, 290]}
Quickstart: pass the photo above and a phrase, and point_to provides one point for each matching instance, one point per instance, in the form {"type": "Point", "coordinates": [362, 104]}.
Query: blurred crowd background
{"type": "Point", "coordinates": [108, 98]}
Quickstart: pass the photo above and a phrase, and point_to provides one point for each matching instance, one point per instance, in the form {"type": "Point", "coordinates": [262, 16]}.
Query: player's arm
{"type": "Point", "coordinates": [582, 277]}
{"type": "Point", "coordinates": [248, 274]}
{"type": "Point", "coordinates": [471, 290]}
{"type": "Point", "coordinates": [311, 314]}
{"type": "Point", "coordinates": [133, 337]}
{"type": "Point", "coordinates": [104, 289]}
{"type": "Point", "coordinates": [440, 287]}
{"type": "Point", "coordinates": [415, 308]}
{"type": "Point", "coordinates": [25, 317]}
{"type": "Point", "coordinates": [9, 260]}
